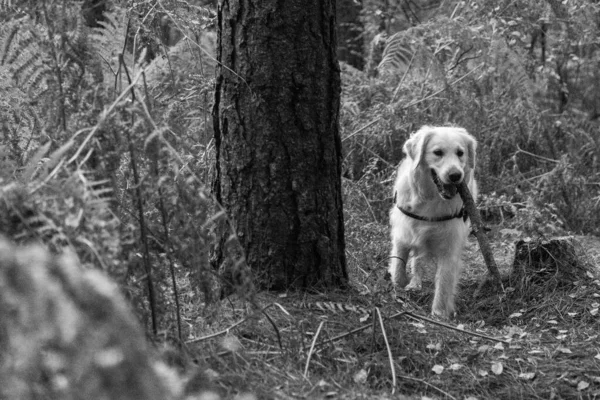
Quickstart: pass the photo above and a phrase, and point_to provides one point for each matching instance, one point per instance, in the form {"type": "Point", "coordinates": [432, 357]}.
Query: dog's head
{"type": "Point", "coordinates": [446, 154]}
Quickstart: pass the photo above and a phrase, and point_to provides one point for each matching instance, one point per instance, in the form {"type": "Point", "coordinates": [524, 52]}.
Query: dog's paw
{"type": "Point", "coordinates": [443, 315]}
{"type": "Point", "coordinates": [413, 286]}
{"type": "Point", "coordinates": [402, 282]}
{"type": "Point", "coordinates": [399, 279]}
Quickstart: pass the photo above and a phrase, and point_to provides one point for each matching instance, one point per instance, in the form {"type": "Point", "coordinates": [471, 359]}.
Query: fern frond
{"type": "Point", "coordinates": [24, 55]}
{"type": "Point", "coordinates": [510, 68]}
{"type": "Point", "coordinates": [8, 42]}
{"type": "Point", "coordinates": [397, 53]}
{"type": "Point", "coordinates": [107, 41]}
{"type": "Point", "coordinates": [30, 64]}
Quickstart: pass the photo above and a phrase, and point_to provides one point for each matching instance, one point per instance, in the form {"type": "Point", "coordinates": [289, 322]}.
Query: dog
{"type": "Point", "coordinates": [428, 220]}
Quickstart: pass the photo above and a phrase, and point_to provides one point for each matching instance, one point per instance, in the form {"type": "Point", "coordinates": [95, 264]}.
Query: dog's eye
{"type": "Point", "coordinates": [438, 153]}
{"type": "Point", "coordinates": [460, 153]}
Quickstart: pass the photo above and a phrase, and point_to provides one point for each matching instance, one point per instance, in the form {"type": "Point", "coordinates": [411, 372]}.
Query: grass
{"type": "Point", "coordinates": [306, 349]}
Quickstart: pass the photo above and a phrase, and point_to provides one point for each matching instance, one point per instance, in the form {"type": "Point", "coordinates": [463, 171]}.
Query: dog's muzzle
{"type": "Point", "coordinates": [446, 190]}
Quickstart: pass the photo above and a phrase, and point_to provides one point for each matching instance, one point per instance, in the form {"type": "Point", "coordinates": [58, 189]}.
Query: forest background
{"type": "Point", "coordinates": [105, 116]}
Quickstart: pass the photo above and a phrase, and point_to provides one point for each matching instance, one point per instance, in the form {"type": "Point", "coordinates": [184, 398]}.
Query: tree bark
{"type": "Point", "coordinates": [278, 148]}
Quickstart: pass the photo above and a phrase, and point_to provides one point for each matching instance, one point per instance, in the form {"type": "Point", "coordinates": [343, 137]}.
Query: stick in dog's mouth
{"type": "Point", "coordinates": [446, 190]}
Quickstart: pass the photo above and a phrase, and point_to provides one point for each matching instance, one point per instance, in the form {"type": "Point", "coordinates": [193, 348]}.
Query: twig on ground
{"type": "Point", "coordinates": [226, 330]}
{"type": "Point", "coordinates": [484, 243]}
{"type": "Point", "coordinates": [274, 327]}
{"type": "Point", "coordinates": [353, 331]}
{"type": "Point", "coordinates": [410, 378]}
{"type": "Point", "coordinates": [389, 351]}
{"type": "Point", "coordinates": [442, 324]}
{"type": "Point", "coordinates": [312, 348]}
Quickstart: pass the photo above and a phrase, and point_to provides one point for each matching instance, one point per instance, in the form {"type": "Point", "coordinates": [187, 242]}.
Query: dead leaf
{"type": "Point", "coordinates": [564, 350]}
{"type": "Point", "coordinates": [594, 311]}
{"type": "Point", "coordinates": [455, 367]}
{"type": "Point", "coordinates": [322, 384]}
{"type": "Point", "coordinates": [483, 348]}
{"type": "Point", "coordinates": [231, 343]}
{"type": "Point", "coordinates": [438, 369]}
{"type": "Point", "coordinates": [582, 385]}
{"type": "Point", "coordinates": [482, 372]}
{"type": "Point", "coordinates": [361, 376]}
{"type": "Point", "coordinates": [436, 346]}
{"type": "Point", "coordinates": [515, 315]}
{"type": "Point", "coordinates": [527, 375]}
{"type": "Point", "coordinates": [497, 368]}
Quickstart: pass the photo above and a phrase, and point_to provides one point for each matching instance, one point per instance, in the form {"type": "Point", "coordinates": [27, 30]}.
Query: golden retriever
{"type": "Point", "coordinates": [428, 221]}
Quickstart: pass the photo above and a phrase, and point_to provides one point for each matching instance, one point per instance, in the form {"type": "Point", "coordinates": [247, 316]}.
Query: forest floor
{"type": "Point", "coordinates": [534, 341]}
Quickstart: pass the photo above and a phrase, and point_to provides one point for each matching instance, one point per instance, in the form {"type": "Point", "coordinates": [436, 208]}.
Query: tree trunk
{"type": "Point", "coordinates": [350, 33]}
{"type": "Point", "coordinates": [278, 149]}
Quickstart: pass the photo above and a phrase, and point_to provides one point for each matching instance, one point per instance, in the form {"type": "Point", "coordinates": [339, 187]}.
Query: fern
{"type": "Point", "coordinates": [397, 53]}
{"type": "Point", "coordinates": [23, 53]}
{"type": "Point", "coordinates": [107, 42]}
{"type": "Point", "coordinates": [510, 69]}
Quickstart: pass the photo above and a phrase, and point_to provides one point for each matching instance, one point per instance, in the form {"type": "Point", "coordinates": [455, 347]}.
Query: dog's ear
{"type": "Point", "coordinates": [416, 146]}
{"type": "Point", "coordinates": [471, 144]}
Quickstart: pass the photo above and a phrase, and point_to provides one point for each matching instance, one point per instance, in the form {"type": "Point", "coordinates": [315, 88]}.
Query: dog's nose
{"type": "Point", "coordinates": [455, 177]}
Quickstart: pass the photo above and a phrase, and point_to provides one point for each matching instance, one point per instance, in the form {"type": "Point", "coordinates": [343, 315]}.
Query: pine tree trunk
{"type": "Point", "coordinates": [278, 161]}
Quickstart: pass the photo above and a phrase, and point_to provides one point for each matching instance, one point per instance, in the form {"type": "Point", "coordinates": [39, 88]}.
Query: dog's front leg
{"type": "Point", "coordinates": [446, 280]}
{"type": "Point", "coordinates": [416, 269]}
{"type": "Point", "coordinates": [398, 260]}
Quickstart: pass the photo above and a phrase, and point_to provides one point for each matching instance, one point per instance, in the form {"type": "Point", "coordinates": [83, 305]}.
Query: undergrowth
{"type": "Point", "coordinates": [107, 153]}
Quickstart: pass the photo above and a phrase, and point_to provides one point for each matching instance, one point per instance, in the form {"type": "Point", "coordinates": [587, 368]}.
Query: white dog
{"type": "Point", "coordinates": [428, 219]}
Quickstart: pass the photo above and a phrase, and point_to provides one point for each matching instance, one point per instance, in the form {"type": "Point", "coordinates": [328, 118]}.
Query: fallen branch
{"type": "Point", "coordinates": [410, 378]}
{"type": "Point", "coordinates": [414, 316]}
{"type": "Point", "coordinates": [389, 350]}
{"type": "Point", "coordinates": [226, 330]}
{"type": "Point", "coordinates": [484, 244]}
{"type": "Point", "coordinates": [356, 330]}
{"type": "Point", "coordinates": [312, 348]}
{"type": "Point", "coordinates": [448, 326]}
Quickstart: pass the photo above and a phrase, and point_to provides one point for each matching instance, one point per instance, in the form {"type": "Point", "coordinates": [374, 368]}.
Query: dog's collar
{"type": "Point", "coordinates": [462, 213]}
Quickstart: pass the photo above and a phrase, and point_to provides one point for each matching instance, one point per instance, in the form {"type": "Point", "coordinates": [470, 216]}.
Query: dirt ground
{"type": "Point", "coordinates": [533, 341]}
